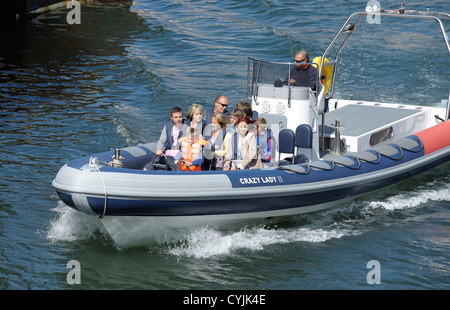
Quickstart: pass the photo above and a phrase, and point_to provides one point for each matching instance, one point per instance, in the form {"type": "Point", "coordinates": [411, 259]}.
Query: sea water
{"type": "Point", "coordinates": [69, 90]}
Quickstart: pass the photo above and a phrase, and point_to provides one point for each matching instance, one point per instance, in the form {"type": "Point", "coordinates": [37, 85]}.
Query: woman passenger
{"type": "Point", "coordinates": [194, 117]}
{"type": "Point", "coordinates": [215, 134]}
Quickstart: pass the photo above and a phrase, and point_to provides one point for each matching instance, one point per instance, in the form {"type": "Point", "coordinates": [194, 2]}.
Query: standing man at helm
{"type": "Point", "coordinates": [303, 74]}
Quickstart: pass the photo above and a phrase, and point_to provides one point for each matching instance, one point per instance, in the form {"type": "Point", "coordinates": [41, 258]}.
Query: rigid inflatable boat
{"type": "Point", "coordinates": [326, 150]}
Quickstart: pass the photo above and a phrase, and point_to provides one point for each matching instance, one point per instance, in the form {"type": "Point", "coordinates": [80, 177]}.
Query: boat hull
{"type": "Point", "coordinates": [107, 191]}
{"type": "Point", "coordinates": [12, 8]}
{"type": "Point", "coordinates": [135, 206]}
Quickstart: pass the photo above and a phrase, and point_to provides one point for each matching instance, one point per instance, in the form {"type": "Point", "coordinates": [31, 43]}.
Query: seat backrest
{"type": "Point", "coordinates": [303, 136]}
{"type": "Point", "coordinates": [286, 141]}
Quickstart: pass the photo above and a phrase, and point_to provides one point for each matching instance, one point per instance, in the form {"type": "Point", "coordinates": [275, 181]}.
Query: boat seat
{"type": "Point", "coordinates": [289, 141]}
{"type": "Point", "coordinates": [160, 163]}
{"type": "Point", "coordinates": [303, 136]}
{"type": "Point", "coordinates": [303, 139]}
{"type": "Point", "coordinates": [286, 144]}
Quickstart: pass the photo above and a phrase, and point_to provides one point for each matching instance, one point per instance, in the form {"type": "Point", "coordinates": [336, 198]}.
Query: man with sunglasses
{"type": "Point", "coordinates": [303, 74]}
{"type": "Point", "coordinates": [220, 105]}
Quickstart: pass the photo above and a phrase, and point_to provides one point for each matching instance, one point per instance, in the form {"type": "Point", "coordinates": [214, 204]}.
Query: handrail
{"type": "Point", "coordinates": [349, 28]}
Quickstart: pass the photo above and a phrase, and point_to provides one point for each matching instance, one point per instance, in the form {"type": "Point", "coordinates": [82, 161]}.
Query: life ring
{"type": "Point", "coordinates": [327, 73]}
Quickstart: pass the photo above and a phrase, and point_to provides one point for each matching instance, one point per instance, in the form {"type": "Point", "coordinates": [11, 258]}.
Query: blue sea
{"type": "Point", "coordinates": [69, 90]}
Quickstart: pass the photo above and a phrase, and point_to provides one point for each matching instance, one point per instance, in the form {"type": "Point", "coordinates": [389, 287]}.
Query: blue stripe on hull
{"type": "Point", "coordinates": [254, 178]}
{"type": "Point", "coordinates": [133, 207]}
{"type": "Point", "coordinates": [247, 178]}
{"type": "Point", "coordinates": [67, 199]}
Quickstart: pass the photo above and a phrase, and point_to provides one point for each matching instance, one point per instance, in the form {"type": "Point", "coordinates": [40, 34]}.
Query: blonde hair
{"type": "Point", "coordinates": [193, 132]}
{"type": "Point", "coordinates": [192, 109]}
{"type": "Point", "coordinates": [220, 118]}
{"type": "Point", "coordinates": [260, 120]}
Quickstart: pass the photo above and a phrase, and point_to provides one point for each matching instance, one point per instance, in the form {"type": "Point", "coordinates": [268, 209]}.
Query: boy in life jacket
{"type": "Point", "coordinates": [191, 156]}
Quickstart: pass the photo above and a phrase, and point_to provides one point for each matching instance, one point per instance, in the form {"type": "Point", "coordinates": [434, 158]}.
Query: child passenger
{"type": "Point", "coordinates": [235, 116]}
{"type": "Point", "coordinates": [191, 156]}
{"type": "Point", "coordinates": [264, 141]}
{"type": "Point", "coordinates": [242, 151]}
{"type": "Point", "coordinates": [246, 107]}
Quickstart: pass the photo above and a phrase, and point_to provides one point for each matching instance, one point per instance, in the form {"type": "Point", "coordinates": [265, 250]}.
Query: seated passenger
{"type": "Point", "coordinates": [264, 141]}
{"type": "Point", "coordinates": [241, 151]}
{"type": "Point", "coordinates": [215, 134]}
{"type": "Point", "coordinates": [220, 105]}
{"type": "Point", "coordinates": [172, 131]}
{"type": "Point", "coordinates": [191, 156]}
{"type": "Point", "coordinates": [235, 116]}
{"type": "Point", "coordinates": [246, 107]}
{"type": "Point", "coordinates": [194, 117]}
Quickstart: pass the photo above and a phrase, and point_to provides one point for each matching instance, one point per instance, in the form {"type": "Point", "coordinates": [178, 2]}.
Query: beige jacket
{"type": "Point", "coordinates": [248, 152]}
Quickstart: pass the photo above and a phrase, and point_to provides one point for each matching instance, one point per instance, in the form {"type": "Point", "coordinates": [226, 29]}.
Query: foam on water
{"type": "Point", "coordinates": [408, 200]}
{"type": "Point", "coordinates": [72, 225]}
{"type": "Point", "coordinates": [351, 220]}
{"type": "Point", "coordinates": [206, 241]}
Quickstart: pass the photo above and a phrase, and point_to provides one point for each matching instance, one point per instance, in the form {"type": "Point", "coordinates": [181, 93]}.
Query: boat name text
{"type": "Point", "coordinates": [261, 180]}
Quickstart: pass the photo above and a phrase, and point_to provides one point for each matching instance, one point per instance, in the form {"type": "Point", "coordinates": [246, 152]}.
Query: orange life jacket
{"type": "Point", "coordinates": [191, 152]}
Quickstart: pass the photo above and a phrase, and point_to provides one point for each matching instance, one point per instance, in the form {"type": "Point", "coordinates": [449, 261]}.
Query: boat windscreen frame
{"type": "Point", "coordinates": [347, 30]}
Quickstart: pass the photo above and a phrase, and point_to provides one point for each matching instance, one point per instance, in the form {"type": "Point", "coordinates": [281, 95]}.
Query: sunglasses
{"type": "Point", "coordinates": [297, 61]}
{"type": "Point", "coordinates": [223, 105]}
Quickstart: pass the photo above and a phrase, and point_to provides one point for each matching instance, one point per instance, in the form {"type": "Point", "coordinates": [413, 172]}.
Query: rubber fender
{"type": "Point", "coordinates": [436, 137]}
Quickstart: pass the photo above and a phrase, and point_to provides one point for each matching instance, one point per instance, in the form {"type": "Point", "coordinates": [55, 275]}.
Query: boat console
{"type": "Point", "coordinates": [362, 124]}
